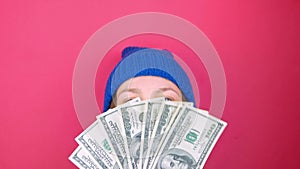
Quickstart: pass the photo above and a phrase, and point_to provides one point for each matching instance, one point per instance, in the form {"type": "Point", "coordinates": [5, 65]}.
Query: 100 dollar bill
{"type": "Point", "coordinates": [166, 116]}
{"type": "Point", "coordinates": [133, 116]}
{"type": "Point", "coordinates": [82, 159]}
{"type": "Point", "coordinates": [150, 116]}
{"type": "Point", "coordinates": [95, 140]}
{"type": "Point", "coordinates": [190, 140]}
{"type": "Point", "coordinates": [113, 124]}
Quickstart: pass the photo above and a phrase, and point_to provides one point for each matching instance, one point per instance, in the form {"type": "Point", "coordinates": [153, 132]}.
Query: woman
{"type": "Point", "coordinates": [147, 73]}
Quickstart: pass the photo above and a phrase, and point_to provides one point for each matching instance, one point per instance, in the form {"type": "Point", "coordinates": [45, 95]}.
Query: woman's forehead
{"type": "Point", "coordinates": [148, 82]}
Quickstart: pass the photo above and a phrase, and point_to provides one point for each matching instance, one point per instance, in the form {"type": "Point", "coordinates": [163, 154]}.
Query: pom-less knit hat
{"type": "Point", "coordinates": [137, 61]}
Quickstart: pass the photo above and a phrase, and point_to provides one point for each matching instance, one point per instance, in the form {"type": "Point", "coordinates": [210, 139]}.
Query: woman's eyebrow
{"type": "Point", "coordinates": [169, 88]}
{"type": "Point", "coordinates": [133, 90]}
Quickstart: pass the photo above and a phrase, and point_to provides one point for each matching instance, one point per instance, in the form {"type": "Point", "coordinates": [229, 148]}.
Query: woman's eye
{"type": "Point", "coordinates": [130, 99]}
{"type": "Point", "coordinates": [127, 100]}
{"type": "Point", "coordinates": [168, 99]}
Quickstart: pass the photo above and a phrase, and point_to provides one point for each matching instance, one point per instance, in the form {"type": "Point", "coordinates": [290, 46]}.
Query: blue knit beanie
{"type": "Point", "coordinates": [137, 61]}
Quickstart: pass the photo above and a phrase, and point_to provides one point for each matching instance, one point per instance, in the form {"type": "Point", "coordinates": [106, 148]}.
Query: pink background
{"type": "Point", "coordinates": [258, 43]}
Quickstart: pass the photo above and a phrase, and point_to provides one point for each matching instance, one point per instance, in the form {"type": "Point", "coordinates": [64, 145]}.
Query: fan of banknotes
{"type": "Point", "coordinates": [155, 133]}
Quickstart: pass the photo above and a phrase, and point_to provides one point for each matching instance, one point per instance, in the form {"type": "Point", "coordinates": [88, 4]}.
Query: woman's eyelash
{"type": "Point", "coordinates": [129, 99]}
{"type": "Point", "coordinates": [168, 99]}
